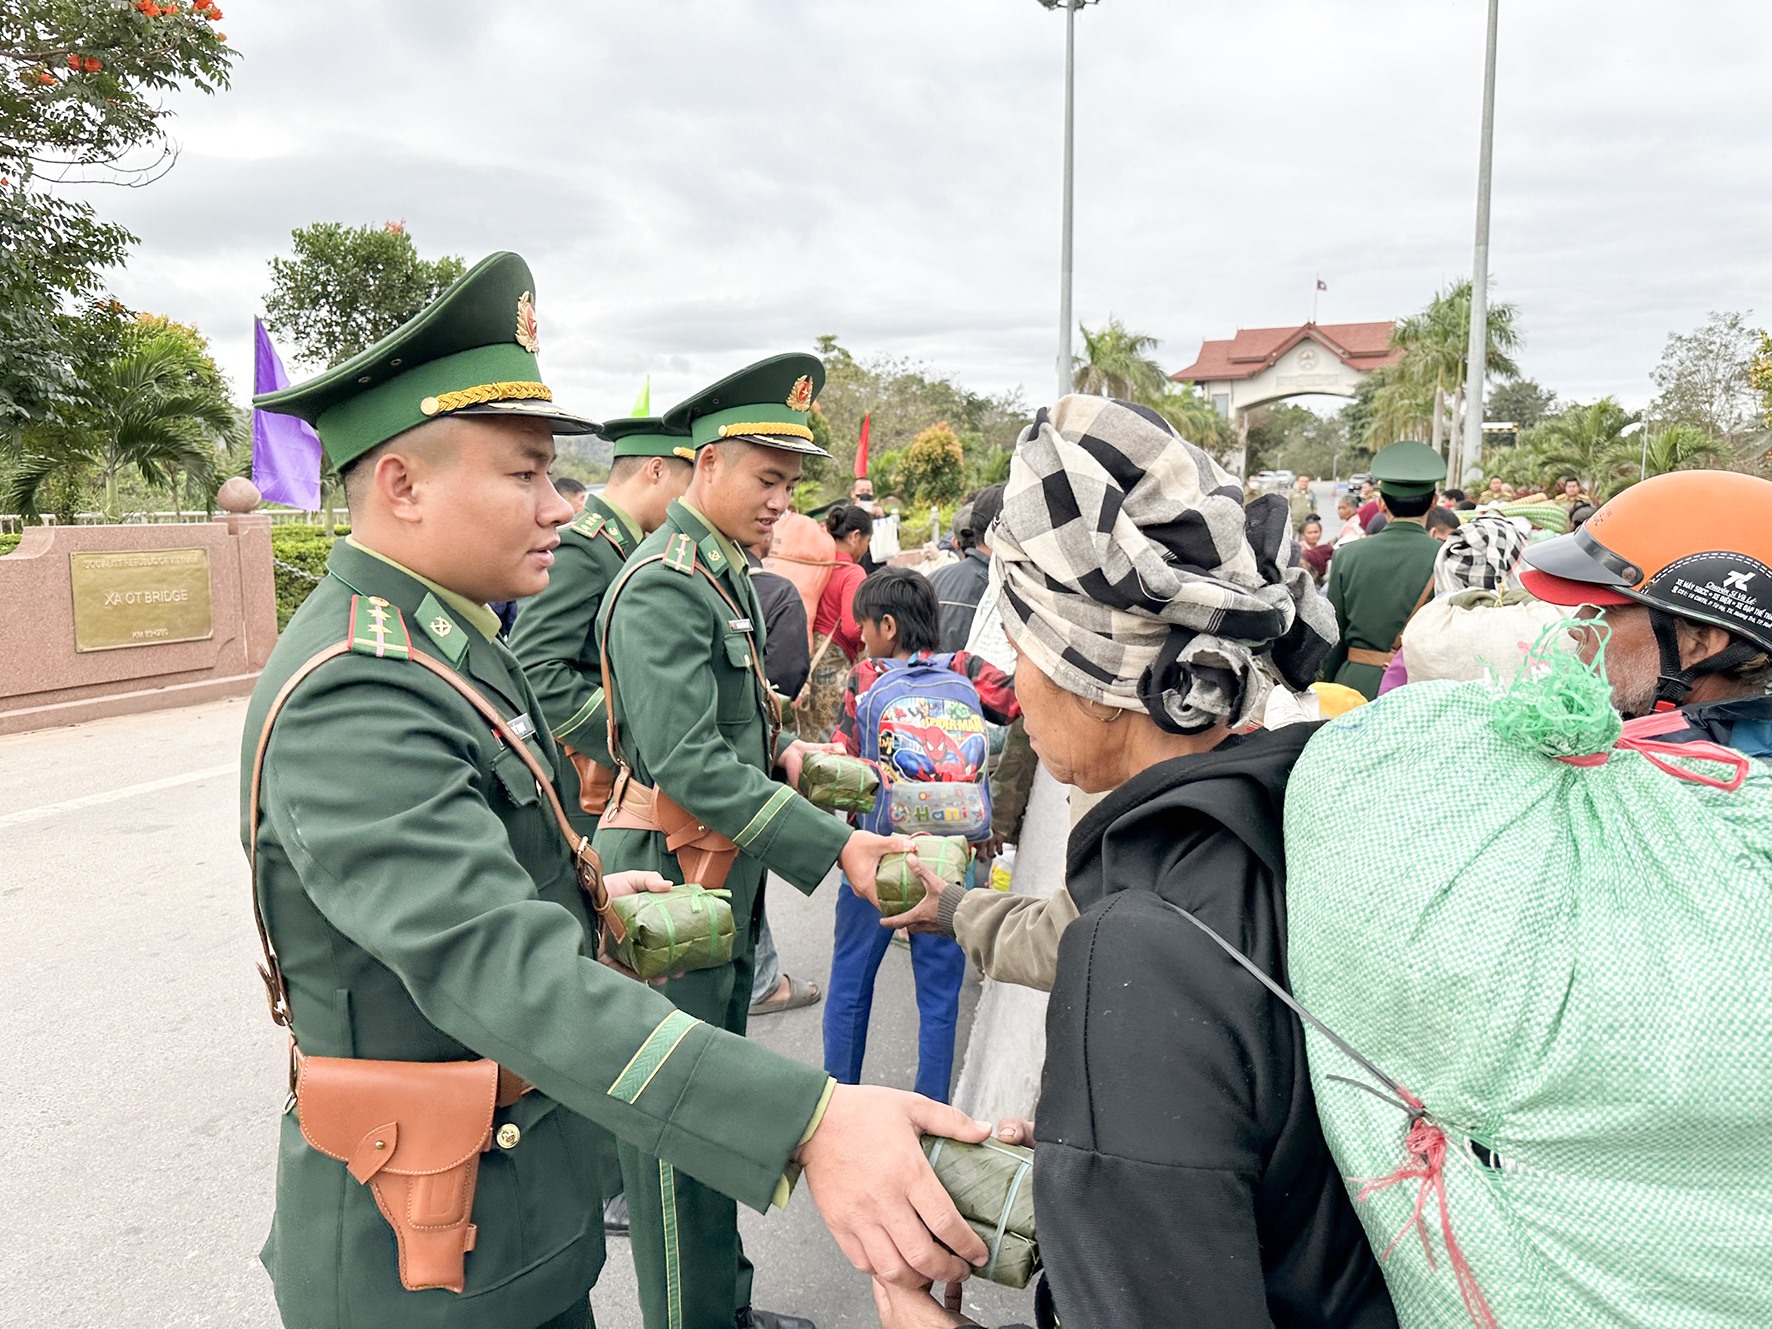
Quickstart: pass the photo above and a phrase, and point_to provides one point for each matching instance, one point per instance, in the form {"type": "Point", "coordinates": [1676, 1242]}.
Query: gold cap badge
{"type": "Point", "coordinates": [800, 399]}
{"type": "Point", "coordinates": [528, 331]}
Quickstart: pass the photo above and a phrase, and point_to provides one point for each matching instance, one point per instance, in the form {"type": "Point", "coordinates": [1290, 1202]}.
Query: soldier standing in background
{"type": "Point", "coordinates": [695, 734]}
{"type": "Point", "coordinates": [1378, 582]}
{"type": "Point", "coordinates": [556, 635]}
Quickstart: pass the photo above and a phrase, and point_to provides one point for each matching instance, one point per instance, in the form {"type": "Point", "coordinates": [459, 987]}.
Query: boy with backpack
{"type": "Point", "coordinates": [920, 717]}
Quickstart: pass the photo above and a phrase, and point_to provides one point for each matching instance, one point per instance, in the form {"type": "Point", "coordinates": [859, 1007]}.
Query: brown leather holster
{"type": "Point", "coordinates": [595, 780]}
{"type": "Point", "coordinates": [703, 855]}
{"type": "Point", "coordinates": [413, 1132]}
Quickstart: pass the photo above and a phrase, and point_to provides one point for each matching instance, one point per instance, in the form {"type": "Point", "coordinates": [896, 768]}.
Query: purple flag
{"type": "Point", "coordinates": [285, 451]}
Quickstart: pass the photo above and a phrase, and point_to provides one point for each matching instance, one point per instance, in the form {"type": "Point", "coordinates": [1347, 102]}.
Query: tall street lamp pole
{"type": "Point", "coordinates": [1070, 7]}
{"type": "Point", "coordinates": [1477, 353]}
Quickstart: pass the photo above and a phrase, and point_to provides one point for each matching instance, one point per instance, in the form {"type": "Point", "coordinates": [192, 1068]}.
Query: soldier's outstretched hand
{"type": "Point", "coordinates": [860, 861]}
{"type": "Point", "coordinates": [876, 1192]}
{"type": "Point", "coordinates": [794, 755]}
{"type": "Point", "coordinates": [634, 882]}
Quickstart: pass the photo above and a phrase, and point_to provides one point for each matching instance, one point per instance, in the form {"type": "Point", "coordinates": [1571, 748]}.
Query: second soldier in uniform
{"type": "Point", "coordinates": [698, 730]}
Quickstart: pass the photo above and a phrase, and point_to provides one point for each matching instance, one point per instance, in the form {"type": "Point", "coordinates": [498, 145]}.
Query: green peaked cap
{"type": "Point", "coordinates": [471, 351]}
{"type": "Point", "coordinates": [767, 402]}
{"type": "Point", "coordinates": [646, 436]}
{"type": "Point", "coordinates": [1408, 470]}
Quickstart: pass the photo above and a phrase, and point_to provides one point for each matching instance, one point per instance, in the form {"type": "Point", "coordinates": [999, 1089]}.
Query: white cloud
{"type": "Point", "coordinates": [698, 182]}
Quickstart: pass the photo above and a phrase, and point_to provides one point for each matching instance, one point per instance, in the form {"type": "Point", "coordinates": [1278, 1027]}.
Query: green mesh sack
{"type": "Point", "coordinates": [675, 931]}
{"type": "Point", "coordinates": [837, 783]}
{"type": "Point", "coordinates": [1562, 948]}
{"type": "Point", "coordinates": [899, 886]}
{"type": "Point", "coordinates": [992, 1185]}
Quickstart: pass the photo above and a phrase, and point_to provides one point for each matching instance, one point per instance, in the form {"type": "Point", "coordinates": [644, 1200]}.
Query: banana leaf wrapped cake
{"type": "Point", "coordinates": [675, 931]}
{"type": "Point", "coordinates": [836, 783]}
{"type": "Point", "coordinates": [900, 887]}
{"type": "Point", "coordinates": [992, 1185]}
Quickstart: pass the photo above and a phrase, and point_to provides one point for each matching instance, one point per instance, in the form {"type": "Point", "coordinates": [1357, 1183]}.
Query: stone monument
{"type": "Point", "coordinates": [108, 620]}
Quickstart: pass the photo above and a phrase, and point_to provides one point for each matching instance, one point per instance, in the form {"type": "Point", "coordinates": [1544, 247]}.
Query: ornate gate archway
{"type": "Point", "coordinates": [1262, 365]}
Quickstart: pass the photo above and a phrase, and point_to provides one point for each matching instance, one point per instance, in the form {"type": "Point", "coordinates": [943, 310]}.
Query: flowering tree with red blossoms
{"type": "Point", "coordinates": [83, 85]}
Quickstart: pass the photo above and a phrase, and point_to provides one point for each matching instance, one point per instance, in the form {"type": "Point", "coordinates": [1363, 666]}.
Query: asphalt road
{"type": "Point", "coordinates": [144, 1079]}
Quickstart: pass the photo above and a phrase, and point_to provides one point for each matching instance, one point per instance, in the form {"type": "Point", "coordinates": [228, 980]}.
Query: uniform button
{"type": "Point", "coordinates": [509, 1135]}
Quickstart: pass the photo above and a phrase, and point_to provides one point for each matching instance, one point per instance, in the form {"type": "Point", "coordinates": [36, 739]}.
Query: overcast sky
{"type": "Point", "coordinates": [698, 183]}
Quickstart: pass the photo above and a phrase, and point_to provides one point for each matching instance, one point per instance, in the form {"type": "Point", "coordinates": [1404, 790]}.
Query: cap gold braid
{"type": "Point", "coordinates": [766, 428]}
{"type": "Point", "coordinates": [444, 402]}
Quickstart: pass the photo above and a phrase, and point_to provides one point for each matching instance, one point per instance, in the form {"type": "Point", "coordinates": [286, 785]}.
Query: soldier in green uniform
{"type": "Point", "coordinates": [697, 730]}
{"type": "Point", "coordinates": [555, 637]}
{"type": "Point", "coordinates": [422, 914]}
{"type": "Point", "coordinates": [1377, 583]}
{"type": "Point", "coordinates": [556, 633]}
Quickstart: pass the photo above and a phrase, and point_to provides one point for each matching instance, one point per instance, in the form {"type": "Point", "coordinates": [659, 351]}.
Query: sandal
{"type": "Point", "coordinates": [800, 992]}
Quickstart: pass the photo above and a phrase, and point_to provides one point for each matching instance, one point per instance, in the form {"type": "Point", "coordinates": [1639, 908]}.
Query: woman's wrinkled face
{"type": "Point", "coordinates": [1073, 746]}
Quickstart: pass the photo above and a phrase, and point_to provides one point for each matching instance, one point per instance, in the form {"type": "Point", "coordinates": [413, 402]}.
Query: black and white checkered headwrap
{"type": "Point", "coordinates": [1132, 574]}
{"type": "Point", "coordinates": [1479, 555]}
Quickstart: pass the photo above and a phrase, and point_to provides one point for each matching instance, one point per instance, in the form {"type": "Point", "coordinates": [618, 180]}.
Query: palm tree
{"type": "Point", "coordinates": [1676, 448]}
{"type": "Point", "coordinates": [156, 404]}
{"type": "Point", "coordinates": [1587, 442]}
{"type": "Point", "coordinates": [1118, 363]}
{"type": "Point", "coordinates": [1434, 343]}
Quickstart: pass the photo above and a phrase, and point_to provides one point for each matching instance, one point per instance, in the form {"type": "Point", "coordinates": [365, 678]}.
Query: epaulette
{"type": "Point", "coordinates": [379, 629]}
{"type": "Point", "coordinates": [587, 523]}
{"type": "Point", "coordinates": [679, 554]}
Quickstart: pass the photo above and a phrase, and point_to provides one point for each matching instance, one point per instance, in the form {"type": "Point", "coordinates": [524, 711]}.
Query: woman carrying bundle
{"type": "Point", "coordinates": [1180, 1177]}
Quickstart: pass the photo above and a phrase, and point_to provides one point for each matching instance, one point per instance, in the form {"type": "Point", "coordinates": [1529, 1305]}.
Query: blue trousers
{"type": "Point", "coordinates": [938, 966]}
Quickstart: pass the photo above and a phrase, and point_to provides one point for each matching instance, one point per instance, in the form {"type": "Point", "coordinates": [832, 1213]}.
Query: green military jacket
{"type": "Point", "coordinates": [424, 907]}
{"type": "Point", "coordinates": [1374, 585]}
{"type": "Point", "coordinates": [556, 639]}
{"type": "Point", "coordinates": [694, 719]}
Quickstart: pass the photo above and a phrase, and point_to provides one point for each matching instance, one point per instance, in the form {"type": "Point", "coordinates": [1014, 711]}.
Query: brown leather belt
{"type": "Point", "coordinates": [511, 1086]}
{"type": "Point", "coordinates": [703, 854]}
{"type": "Point", "coordinates": [1377, 659]}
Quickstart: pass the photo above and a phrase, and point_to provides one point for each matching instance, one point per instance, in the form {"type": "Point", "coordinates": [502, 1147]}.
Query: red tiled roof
{"type": "Point", "coordinates": [1252, 350]}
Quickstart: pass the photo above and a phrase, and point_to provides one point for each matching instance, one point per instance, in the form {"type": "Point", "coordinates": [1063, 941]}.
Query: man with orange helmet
{"type": "Point", "coordinates": [1679, 567]}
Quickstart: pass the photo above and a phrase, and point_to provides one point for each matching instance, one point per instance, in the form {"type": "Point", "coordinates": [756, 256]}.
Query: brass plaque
{"type": "Point", "coordinates": [147, 597]}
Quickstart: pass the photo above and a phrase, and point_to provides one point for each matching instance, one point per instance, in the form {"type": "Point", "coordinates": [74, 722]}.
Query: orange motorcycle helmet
{"type": "Point", "coordinates": [1695, 545]}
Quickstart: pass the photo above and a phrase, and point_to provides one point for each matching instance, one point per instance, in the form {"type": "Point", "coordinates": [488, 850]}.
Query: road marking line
{"type": "Point", "coordinates": [24, 815]}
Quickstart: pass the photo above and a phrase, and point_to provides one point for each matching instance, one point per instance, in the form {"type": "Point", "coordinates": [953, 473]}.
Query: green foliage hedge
{"type": "Point", "coordinates": [303, 547]}
{"type": "Point", "coordinates": [8, 543]}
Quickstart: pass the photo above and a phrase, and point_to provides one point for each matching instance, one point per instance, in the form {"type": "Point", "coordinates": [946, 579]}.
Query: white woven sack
{"type": "Point", "coordinates": [1470, 634]}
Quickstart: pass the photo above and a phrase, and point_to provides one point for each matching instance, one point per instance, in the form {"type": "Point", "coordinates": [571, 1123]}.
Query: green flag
{"type": "Point", "coordinates": [643, 403]}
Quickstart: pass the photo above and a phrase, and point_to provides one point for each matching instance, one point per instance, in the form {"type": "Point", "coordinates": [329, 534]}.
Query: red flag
{"type": "Point", "coordinates": [861, 449]}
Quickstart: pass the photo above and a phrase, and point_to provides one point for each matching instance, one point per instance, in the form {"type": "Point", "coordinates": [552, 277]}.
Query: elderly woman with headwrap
{"type": "Point", "coordinates": [1180, 1176]}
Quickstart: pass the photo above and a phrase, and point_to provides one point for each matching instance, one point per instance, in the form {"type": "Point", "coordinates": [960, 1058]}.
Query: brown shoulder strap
{"type": "Point", "coordinates": [585, 861]}
{"type": "Point", "coordinates": [762, 678]}
{"type": "Point", "coordinates": [1427, 593]}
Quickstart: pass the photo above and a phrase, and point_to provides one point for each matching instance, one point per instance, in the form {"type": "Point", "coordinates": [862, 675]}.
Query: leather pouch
{"type": "Point", "coordinates": [413, 1132]}
{"type": "Point", "coordinates": [595, 780]}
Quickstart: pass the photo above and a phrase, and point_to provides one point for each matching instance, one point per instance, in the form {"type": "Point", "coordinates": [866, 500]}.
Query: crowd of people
{"type": "Point", "coordinates": [451, 839]}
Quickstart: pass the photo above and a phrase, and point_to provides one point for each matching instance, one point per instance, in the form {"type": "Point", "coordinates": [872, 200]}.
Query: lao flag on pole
{"type": "Point", "coordinates": [285, 450]}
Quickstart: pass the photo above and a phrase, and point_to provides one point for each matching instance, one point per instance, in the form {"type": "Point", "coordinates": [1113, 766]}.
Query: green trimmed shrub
{"type": "Point", "coordinates": [300, 553]}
